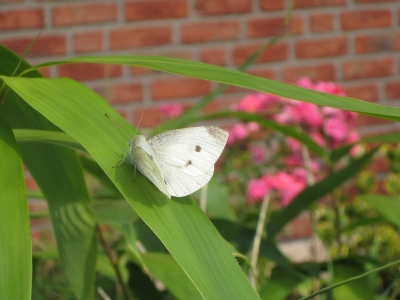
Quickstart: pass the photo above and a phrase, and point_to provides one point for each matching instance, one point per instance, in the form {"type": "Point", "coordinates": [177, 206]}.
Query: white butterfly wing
{"type": "Point", "coordinates": [187, 156]}
{"type": "Point", "coordinates": [143, 156]}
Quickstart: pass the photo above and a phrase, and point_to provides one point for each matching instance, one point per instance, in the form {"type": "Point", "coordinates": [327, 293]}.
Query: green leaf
{"type": "Point", "coordinates": [45, 136]}
{"type": "Point", "coordinates": [58, 172]}
{"type": "Point", "coordinates": [15, 241]}
{"type": "Point", "coordinates": [281, 284]}
{"type": "Point", "coordinates": [236, 78]}
{"type": "Point", "coordinates": [141, 285]}
{"type": "Point", "coordinates": [167, 270]}
{"type": "Point", "coordinates": [179, 223]}
{"type": "Point", "coordinates": [387, 206]}
{"type": "Point", "coordinates": [311, 194]}
{"type": "Point", "coordinates": [218, 201]}
{"type": "Point", "coordinates": [362, 289]}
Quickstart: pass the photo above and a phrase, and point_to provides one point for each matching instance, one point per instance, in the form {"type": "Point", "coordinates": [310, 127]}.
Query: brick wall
{"type": "Point", "coordinates": [352, 42]}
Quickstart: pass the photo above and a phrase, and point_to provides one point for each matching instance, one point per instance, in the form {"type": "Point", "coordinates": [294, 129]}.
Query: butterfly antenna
{"type": "Point", "coordinates": [137, 128]}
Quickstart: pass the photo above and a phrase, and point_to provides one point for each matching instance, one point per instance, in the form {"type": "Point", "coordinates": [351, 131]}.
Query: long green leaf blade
{"type": "Point", "coordinates": [58, 172]}
{"type": "Point", "coordinates": [179, 223]}
{"type": "Point", "coordinates": [15, 241]}
{"type": "Point", "coordinates": [387, 206]}
{"type": "Point", "coordinates": [236, 78]}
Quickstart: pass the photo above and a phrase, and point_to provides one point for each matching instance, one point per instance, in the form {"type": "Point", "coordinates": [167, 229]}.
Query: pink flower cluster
{"type": "Point", "coordinates": [287, 186]}
{"type": "Point", "coordinates": [255, 102]}
{"type": "Point", "coordinates": [171, 111]}
{"type": "Point", "coordinates": [328, 127]}
{"type": "Point", "coordinates": [241, 131]}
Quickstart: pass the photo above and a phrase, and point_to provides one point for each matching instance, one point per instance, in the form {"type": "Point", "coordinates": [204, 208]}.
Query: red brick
{"type": "Point", "coordinates": [88, 41]}
{"type": "Point", "coordinates": [363, 120]}
{"type": "Point", "coordinates": [317, 3]}
{"type": "Point", "coordinates": [30, 183]}
{"type": "Point", "coordinates": [140, 37]}
{"type": "Point", "coordinates": [321, 47]}
{"type": "Point", "coordinates": [369, 68]}
{"type": "Point", "coordinates": [277, 52]}
{"type": "Point", "coordinates": [179, 87]}
{"type": "Point", "coordinates": [84, 14]}
{"type": "Point", "coordinates": [272, 5]}
{"type": "Point", "coordinates": [321, 22]}
{"type": "Point", "coordinates": [152, 117]}
{"type": "Point", "coordinates": [366, 92]}
{"type": "Point", "coordinates": [86, 71]}
{"type": "Point", "coordinates": [379, 165]}
{"type": "Point", "coordinates": [126, 93]}
{"type": "Point", "coordinates": [392, 90]}
{"type": "Point", "coordinates": [54, 44]}
{"type": "Point", "coordinates": [324, 72]}
{"type": "Point", "coordinates": [218, 7]}
{"type": "Point", "coordinates": [360, 19]}
{"type": "Point", "coordinates": [378, 43]}
{"type": "Point", "coordinates": [372, 1]}
{"type": "Point", "coordinates": [45, 72]}
{"type": "Point", "coordinates": [21, 18]}
{"type": "Point", "coordinates": [261, 27]}
{"type": "Point", "coordinates": [209, 31]}
{"type": "Point", "coordinates": [155, 9]}
{"type": "Point", "coordinates": [222, 103]}
{"type": "Point", "coordinates": [215, 56]}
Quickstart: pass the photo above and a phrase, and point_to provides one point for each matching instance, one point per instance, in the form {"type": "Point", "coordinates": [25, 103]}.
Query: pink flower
{"type": "Point", "coordinates": [288, 186]}
{"type": "Point", "coordinates": [280, 181]}
{"type": "Point", "coordinates": [257, 189]}
{"type": "Point", "coordinates": [253, 126]}
{"type": "Point", "coordinates": [329, 88]}
{"type": "Point", "coordinates": [240, 131]}
{"type": "Point", "coordinates": [336, 129]}
{"type": "Point", "coordinates": [256, 102]}
{"type": "Point", "coordinates": [289, 115]}
{"type": "Point", "coordinates": [171, 110]}
{"type": "Point", "coordinates": [310, 114]}
{"type": "Point", "coordinates": [318, 138]}
{"type": "Point", "coordinates": [293, 144]}
{"type": "Point", "coordinates": [294, 160]}
{"type": "Point", "coordinates": [258, 154]}
{"type": "Point", "coordinates": [236, 133]}
{"type": "Point", "coordinates": [291, 192]}
{"type": "Point", "coordinates": [305, 82]}
{"type": "Point", "coordinates": [231, 138]}
{"type": "Point", "coordinates": [353, 137]}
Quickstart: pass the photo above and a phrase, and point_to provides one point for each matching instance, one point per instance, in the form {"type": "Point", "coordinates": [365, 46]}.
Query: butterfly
{"type": "Point", "coordinates": [181, 161]}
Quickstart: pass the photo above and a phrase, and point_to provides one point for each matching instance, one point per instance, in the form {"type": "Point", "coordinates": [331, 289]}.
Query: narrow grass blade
{"type": "Point", "coordinates": [15, 241]}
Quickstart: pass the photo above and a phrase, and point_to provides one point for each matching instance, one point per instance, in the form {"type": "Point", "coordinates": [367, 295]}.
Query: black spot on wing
{"type": "Point", "coordinates": [188, 163]}
{"type": "Point", "coordinates": [197, 148]}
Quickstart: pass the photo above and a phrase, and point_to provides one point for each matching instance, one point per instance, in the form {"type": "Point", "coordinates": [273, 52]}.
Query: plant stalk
{"type": "Point", "coordinates": [114, 263]}
{"type": "Point", "coordinates": [350, 280]}
{"type": "Point", "coordinates": [253, 276]}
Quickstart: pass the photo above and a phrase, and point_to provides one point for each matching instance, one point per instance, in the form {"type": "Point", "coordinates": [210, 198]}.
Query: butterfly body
{"type": "Point", "coordinates": [178, 162]}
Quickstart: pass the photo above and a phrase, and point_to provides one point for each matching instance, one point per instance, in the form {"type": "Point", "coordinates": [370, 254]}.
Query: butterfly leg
{"type": "Point", "coordinates": [126, 153]}
{"type": "Point", "coordinates": [134, 174]}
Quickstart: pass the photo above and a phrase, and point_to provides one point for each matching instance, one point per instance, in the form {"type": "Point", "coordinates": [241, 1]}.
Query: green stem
{"type": "Point", "coordinates": [114, 263]}
{"type": "Point", "coordinates": [257, 241]}
{"type": "Point", "coordinates": [350, 280]}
